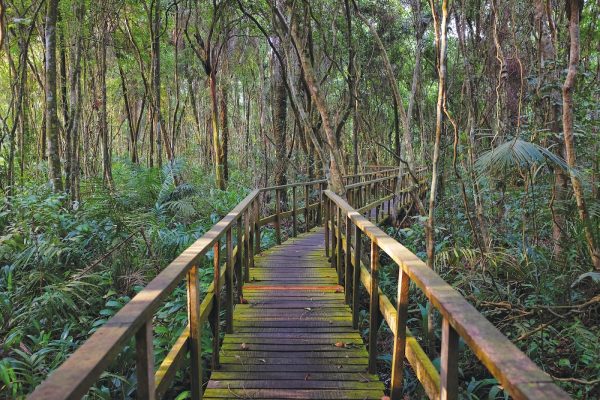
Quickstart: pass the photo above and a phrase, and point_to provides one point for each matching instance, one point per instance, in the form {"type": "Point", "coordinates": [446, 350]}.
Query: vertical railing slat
{"type": "Point", "coordinates": [216, 309]}
{"type": "Point", "coordinates": [339, 259]}
{"type": "Point", "coordinates": [326, 219]}
{"type": "Point", "coordinates": [306, 207]}
{"type": "Point", "coordinates": [449, 362]}
{"type": "Point", "coordinates": [241, 253]}
{"type": "Point", "coordinates": [294, 223]}
{"type": "Point", "coordinates": [229, 281]}
{"type": "Point", "coordinates": [193, 306]}
{"type": "Point", "coordinates": [356, 276]}
{"type": "Point", "coordinates": [277, 218]}
{"type": "Point", "coordinates": [144, 362]}
{"type": "Point", "coordinates": [374, 308]}
{"type": "Point", "coordinates": [348, 277]}
{"type": "Point", "coordinates": [400, 337]}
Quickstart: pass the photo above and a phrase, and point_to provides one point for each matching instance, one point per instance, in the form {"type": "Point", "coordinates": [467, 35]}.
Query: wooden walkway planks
{"type": "Point", "coordinates": [294, 338]}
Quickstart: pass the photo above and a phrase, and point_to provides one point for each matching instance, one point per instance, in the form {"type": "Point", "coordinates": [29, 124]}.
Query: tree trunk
{"type": "Point", "coordinates": [279, 118]}
{"type": "Point", "coordinates": [430, 224]}
{"type": "Point", "coordinates": [156, 79]}
{"type": "Point", "coordinates": [567, 94]}
{"type": "Point", "coordinates": [52, 127]}
{"type": "Point", "coordinates": [103, 121]}
{"type": "Point", "coordinates": [224, 123]}
{"type": "Point", "coordinates": [218, 148]}
{"type": "Point", "coordinates": [72, 129]}
{"type": "Point", "coordinates": [336, 165]}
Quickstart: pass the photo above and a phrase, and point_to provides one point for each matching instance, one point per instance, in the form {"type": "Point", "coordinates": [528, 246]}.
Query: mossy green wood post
{"type": "Point", "coordinates": [374, 308]}
{"type": "Point", "coordinates": [277, 218]}
{"type": "Point", "coordinates": [400, 337]}
{"type": "Point", "coordinates": [216, 309]}
{"type": "Point", "coordinates": [257, 226]}
{"type": "Point", "coordinates": [144, 362]}
{"type": "Point", "coordinates": [294, 226]}
{"type": "Point", "coordinates": [339, 256]}
{"type": "Point", "coordinates": [326, 223]}
{"type": "Point", "coordinates": [246, 244]}
{"type": "Point", "coordinates": [306, 207]}
{"type": "Point", "coordinates": [193, 307]}
{"type": "Point", "coordinates": [240, 255]}
{"type": "Point", "coordinates": [229, 281]}
{"type": "Point", "coordinates": [356, 277]}
{"type": "Point", "coordinates": [333, 213]}
{"type": "Point", "coordinates": [320, 209]}
{"type": "Point", "coordinates": [348, 261]}
{"type": "Point", "coordinates": [449, 362]}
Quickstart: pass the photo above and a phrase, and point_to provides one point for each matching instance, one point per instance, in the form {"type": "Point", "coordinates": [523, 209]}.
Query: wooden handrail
{"type": "Point", "coordinates": [83, 368]}
{"type": "Point", "coordinates": [519, 376]}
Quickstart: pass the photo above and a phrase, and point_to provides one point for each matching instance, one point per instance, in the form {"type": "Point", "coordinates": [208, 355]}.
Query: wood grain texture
{"type": "Point", "coordinates": [294, 338]}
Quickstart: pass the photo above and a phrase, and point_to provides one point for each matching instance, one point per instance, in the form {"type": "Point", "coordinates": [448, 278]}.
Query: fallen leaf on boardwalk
{"type": "Point", "coordinates": [308, 308]}
{"type": "Point", "coordinates": [244, 346]}
{"type": "Point", "coordinates": [243, 301]}
{"type": "Point", "coordinates": [262, 360]}
{"type": "Point", "coordinates": [340, 344]}
{"type": "Point", "coordinates": [385, 398]}
{"type": "Point", "coordinates": [339, 290]}
{"type": "Point", "coordinates": [307, 377]}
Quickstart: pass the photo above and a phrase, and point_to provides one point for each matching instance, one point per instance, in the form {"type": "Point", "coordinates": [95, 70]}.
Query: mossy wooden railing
{"type": "Point", "coordinates": [345, 228]}
{"type": "Point", "coordinates": [83, 368]}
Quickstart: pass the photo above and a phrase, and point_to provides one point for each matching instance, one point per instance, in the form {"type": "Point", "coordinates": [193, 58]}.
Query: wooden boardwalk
{"type": "Point", "coordinates": [294, 338]}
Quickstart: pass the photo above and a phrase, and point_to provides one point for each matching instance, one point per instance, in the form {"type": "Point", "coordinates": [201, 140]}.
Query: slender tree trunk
{"type": "Point", "coordinates": [430, 224]}
{"type": "Point", "coordinates": [72, 129]}
{"type": "Point", "coordinates": [279, 118]}
{"type": "Point", "coordinates": [224, 123]}
{"type": "Point", "coordinates": [218, 148]}
{"type": "Point", "coordinates": [336, 164]}
{"type": "Point", "coordinates": [103, 121]}
{"type": "Point", "coordinates": [157, 123]}
{"type": "Point", "coordinates": [567, 94]}
{"type": "Point", "coordinates": [52, 124]}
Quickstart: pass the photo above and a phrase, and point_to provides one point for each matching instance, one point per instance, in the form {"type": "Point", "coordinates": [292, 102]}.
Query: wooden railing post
{"type": "Point", "coordinates": [374, 308]}
{"type": "Point", "coordinates": [144, 362]}
{"type": "Point", "coordinates": [294, 226]}
{"type": "Point", "coordinates": [193, 306]}
{"type": "Point", "coordinates": [449, 362]}
{"type": "Point", "coordinates": [306, 210]}
{"type": "Point", "coordinates": [356, 276]}
{"type": "Point", "coordinates": [400, 337]}
{"type": "Point", "coordinates": [229, 281]}
{"type": "Point", "coordinates": [348, 261]}
{"type": "Point", "coordinates": [326, 223]}
{"type": "Point", "coordinates": [247, 244]}
{"type": "Point", "coordinates": [256, 228]}
{"type": "Point", "coordinates": [339, 256]}
{"type": "Point", "coordinates": [277, 219]}
{"type": "Point", "coordinates": [332, 214]}
{"type": "Point", "coordinates": [320, 209]}
{"type": "Point", "coordinates": [216, 309]}
{"type": "Point", "coordinates": [242, 252]}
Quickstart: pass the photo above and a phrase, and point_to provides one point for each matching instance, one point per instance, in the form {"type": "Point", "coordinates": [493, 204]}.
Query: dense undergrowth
{"type": "Point", "coordinates": [549, 308]}
{"type": "Point", "coordinates": [64, 272]}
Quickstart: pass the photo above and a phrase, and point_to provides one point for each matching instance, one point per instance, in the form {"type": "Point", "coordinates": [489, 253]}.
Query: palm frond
{"type": "Point", "coordinates": [517, 154]}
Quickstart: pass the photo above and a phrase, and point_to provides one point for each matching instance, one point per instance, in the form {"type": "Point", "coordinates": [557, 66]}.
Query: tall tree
{"type": "Point", "coordinates": [52, 123]}
{"type": "Point", "coordinates": [573, 12]}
